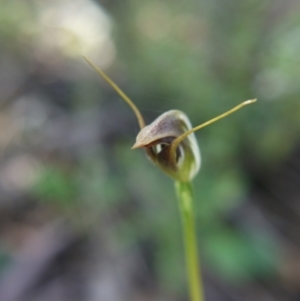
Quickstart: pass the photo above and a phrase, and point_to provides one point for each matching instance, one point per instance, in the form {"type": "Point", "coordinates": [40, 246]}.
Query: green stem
{"type": "Point", "coordinates": [185, 197]}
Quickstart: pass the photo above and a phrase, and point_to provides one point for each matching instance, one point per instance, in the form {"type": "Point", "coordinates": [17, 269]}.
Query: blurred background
{"type": "Point", "coordinates": [82, 216]}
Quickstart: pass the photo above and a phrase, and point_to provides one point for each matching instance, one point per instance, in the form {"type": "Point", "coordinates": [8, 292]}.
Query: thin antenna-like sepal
{"type": "Point", "coordinates": [179, 139]}
{"type": "Point", "coordinates": [120, 92]}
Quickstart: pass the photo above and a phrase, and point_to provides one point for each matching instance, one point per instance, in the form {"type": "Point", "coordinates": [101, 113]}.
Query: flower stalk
{"type": "Point", "coordinates": [185, 198]}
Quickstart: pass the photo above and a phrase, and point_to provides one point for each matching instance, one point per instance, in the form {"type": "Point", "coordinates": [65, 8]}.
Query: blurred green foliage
{"type": "Point", "coordinates": [55, 186]}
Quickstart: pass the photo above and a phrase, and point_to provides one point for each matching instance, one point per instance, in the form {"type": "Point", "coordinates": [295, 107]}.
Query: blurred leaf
{"type": "Point", "coordinates": [56, 186]}
{"type": "Point", "coordinates": [4, 260]}
{"type": "Point", "coordinates": [240, 257]}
